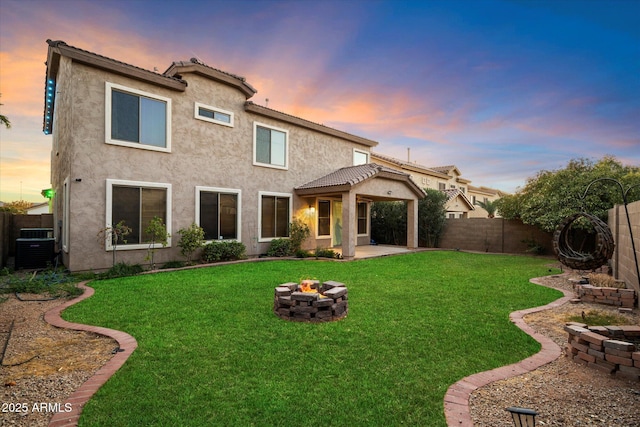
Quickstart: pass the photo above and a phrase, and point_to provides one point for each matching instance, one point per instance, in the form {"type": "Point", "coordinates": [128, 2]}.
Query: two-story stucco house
{"type": "Point", "coordinates": [188, 145]}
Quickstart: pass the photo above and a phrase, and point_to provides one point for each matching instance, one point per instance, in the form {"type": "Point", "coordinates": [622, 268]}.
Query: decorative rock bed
{"type": "Point", "coordinates": [608, 348]}
{"type": "Point", "coordinates": [310, 301]}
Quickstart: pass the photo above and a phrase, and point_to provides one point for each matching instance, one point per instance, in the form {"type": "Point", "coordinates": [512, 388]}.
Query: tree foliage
{"type": "Point", "coordinates": [490, 206]}
{"type": "Point", "coordinates": [432, 214]}
{"type": "Point", "coordinates": [551, 196]}
{"type": "Point", "coordinates": [389, 220]}
{"type": "Point", "coordinates": [17, 207]}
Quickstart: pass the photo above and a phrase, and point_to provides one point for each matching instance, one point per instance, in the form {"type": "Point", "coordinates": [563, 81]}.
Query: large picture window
{"type": "Point", "coordinates": [275, 215]}
{"type": "Point", "coordinates": [270, 146]}
{"type": "Point", "coordinates": [137, 119]}
{"type": "Point", "coordinates": [218, 213]}
{"type": "Point", "coordinates": [136, 204]}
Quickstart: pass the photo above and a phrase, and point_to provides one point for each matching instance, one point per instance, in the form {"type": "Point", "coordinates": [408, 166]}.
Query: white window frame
{"type": "Point", "coordinates": [286, 146]}
{"type": "Point", "coordinates": [197, 115]}
{"type": "Point", "coordinates": [235, 191]}
{"type": "Point", "coordinates": [367, 215]}
{"type": "Point", "coordinates": [357, 151]}
{"type": "Point", "coordinates": [270, 193]}
{"type": "Point", "coordinates": [107, 113]}
{"type": "Point", "coordinates": [330, 235]}
{"type": "Point", "coordinates": [109, 220]}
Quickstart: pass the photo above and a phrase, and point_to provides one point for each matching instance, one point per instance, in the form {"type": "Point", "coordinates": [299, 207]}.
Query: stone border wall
{"type": "Point", "coordinates": [625, 298]}
{"type": "Point", "coordinates": [607, 348]}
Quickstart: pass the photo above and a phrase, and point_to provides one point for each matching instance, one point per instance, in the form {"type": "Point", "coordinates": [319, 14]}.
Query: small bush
{"type": "Point", "coordinates": [279, 248]}
{"type": "Point", "coordinates": [327, 253]}
{"type": "Point", "coordinates": [173, 264]}
{"type": "Point", "coordinates": [191, 240]}
{"type": "Point", "coordinates": [122, 269]}
{"type": "Point", "coordinates": [223, 251]}
{"type": "Point", "coordinates": [298, 233]}
{"type": "Point", "coordinates": [301, 253]}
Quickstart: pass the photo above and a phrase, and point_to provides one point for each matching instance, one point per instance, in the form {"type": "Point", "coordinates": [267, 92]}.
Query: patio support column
{"type": "Point", "coordinates": [412, 224]}
{"type": "Point", "coordinates": [349, 232]}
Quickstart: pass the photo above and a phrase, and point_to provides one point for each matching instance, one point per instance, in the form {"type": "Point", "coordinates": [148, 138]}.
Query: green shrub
{"type": "Point", "coordinates": [301, 253]}
{"type": "Point", "coordinates": [122, 269]}
{"type": "Point", "coordinates": [191, 239]}
{"type": "Point", "coordinates": [173, 264]}
{"type": "Point", "coordinates": [279, 248]}
{"type": "Point", "coordinates": [298, 233]}
{"type": "Point", "coordinates": [327, 253]}
{"type": "Point", "coordinates": [223, 251]}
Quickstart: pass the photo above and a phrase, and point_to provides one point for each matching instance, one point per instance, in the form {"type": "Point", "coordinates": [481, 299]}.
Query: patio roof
{"type": "Point", "coordinates": [346, 178]}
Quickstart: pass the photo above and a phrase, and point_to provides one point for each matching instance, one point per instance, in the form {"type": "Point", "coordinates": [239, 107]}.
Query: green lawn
{"type": "Point", "coordinates": [211, 351]}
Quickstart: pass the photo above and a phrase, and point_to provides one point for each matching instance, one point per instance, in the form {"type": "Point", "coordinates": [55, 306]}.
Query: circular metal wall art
{"type": "Point", "coordinates": [604, 244]}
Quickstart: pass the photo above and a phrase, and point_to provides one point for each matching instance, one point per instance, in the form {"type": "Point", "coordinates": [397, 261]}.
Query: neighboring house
{"type": "Point", "coordinates": [188, 146]}
{"type": "Point", "coordinates": [461, 195]}
{"type": "Point", "coordinates": [38, 208]}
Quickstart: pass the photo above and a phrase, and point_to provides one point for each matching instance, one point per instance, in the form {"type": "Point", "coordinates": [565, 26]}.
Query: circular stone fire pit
{"type": "Point", "coordinates": [311, 302]}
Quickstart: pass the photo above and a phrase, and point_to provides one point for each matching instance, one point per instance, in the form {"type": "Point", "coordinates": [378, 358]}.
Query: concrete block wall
{"type": "Point", "coordinates": [623, 262]}
{"type": "Point", "coordinates": [493, 235]}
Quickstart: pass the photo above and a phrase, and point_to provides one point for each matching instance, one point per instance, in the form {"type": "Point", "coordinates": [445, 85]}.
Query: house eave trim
{"type": "Point", "coordinates": [283, 117]}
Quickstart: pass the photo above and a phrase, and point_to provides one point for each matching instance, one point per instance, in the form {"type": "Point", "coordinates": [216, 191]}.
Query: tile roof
{"type": "Point", "coordinates": [345, 178]}
{"type": "Point", "coordinates": [350, 175]}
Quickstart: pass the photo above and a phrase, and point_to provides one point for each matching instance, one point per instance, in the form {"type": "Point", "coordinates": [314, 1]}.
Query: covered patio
{"type": "Point", "coordinates": [355, 185]}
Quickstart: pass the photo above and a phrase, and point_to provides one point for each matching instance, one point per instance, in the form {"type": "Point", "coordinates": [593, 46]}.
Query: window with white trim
{"type": "Point", "coordinates": [218, 212]}
{"type": "Point", "coordinates": [275, 215]}
{"type": "Point", "coordinates": [270, 146]}
{"type": "Point", "coordinates": [136, 203]}
{"type": "Point", "coordinates": [213, 115]}
{"type": "Point", "coordinates": [360, 157]}
{"type": "Point", "coordinates": [363, 218]}
{"type": "Point", "coordinates": [324, 218]}
{"type": "Point", "coordinates": [137, 119]}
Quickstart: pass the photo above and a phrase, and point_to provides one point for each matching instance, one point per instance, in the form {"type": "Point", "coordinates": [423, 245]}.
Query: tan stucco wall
{"type": "Point", "coordinates": [623, 261]}
{"type": "Point", "coordinates": [203, 154]}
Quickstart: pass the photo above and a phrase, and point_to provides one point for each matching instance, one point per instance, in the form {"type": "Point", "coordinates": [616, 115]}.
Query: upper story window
{"type": "Point", "coordinates": [213, 115]}
{"type": "Point", "coordinates": [442, 186]}
{"type": "Point", "coordinates": [360, 157]}
{"type": "Point", "coordinates": [137, 119]}
{"type": "Point", "coordinates": [270, 146]}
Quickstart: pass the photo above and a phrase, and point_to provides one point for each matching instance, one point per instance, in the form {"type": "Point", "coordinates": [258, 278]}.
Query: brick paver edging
{"type": "Point", "coordinates": [127, 344]}
{"type": "Point", "coordinates": [456, 400]}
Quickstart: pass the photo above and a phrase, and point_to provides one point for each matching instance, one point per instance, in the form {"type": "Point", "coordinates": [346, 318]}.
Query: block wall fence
{"type": "Point", "coordinates": [493, 235]}
{"type": "Point", "coordinates": [623, 262]}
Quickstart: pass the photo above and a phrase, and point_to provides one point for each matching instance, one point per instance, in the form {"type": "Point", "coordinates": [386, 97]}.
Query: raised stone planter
{"type": "Point", "coordinates": [607, 348]}
{"type": "Point", "coordinates": [329, 303]}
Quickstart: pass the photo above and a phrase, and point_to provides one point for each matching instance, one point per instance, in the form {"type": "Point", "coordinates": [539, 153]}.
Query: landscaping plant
{"type": "Point", "coordinates": [192, 239]}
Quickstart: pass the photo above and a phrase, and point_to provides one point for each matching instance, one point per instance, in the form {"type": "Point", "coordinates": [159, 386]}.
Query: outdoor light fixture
{"type": "Point", "coordinates": [523, 417]}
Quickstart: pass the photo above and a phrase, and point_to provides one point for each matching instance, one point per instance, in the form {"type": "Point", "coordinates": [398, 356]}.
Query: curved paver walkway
{"type": "Point", "coordinates": [456, 400]}
{"type": "Point", "coordinates": [82, 395]}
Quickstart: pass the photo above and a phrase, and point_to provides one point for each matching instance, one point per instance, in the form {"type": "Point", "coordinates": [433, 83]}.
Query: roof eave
{"type": "Point", "coordinates": [179, 68]}
{"type": "Point", "coordinates": [277, 115]}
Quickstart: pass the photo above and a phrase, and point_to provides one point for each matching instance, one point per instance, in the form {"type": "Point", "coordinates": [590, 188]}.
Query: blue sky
{"type": "Point", "coordinates": [501, 89]}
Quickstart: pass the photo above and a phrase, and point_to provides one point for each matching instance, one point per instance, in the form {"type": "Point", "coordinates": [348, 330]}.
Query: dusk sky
{"type": "Point", "coordinates": [501, 89]}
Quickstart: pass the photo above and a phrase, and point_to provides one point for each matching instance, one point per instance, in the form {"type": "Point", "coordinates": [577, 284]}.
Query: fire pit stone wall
{"type": "Point", "coordinates": [330, 302]}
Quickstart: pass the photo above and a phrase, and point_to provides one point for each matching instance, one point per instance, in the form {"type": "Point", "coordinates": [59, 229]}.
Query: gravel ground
{"type": "Point", "coordinates": [50, 363]}
{"type": "Point", "coordinates": [563, 392]}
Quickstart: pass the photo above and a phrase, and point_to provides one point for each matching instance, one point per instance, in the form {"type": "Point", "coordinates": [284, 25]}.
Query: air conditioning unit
{"type": "Point", "coordinates": [36, 233]}
{"type": "Point", "coordinates": [34, 253]}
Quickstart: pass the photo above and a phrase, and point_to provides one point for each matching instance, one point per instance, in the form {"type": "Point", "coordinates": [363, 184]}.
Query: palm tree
{"type": "Point", "coordinates": [490, 206]}
{"type": "Point", "coordinates": [5, 121]}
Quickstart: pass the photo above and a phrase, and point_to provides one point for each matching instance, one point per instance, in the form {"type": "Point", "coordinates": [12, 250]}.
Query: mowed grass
{"type": "Point", "coordinates": [212, 353]}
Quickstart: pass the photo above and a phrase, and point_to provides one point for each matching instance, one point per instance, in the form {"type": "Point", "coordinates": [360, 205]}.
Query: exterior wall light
{"type": "Point", "coordinates": [523, 417]}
